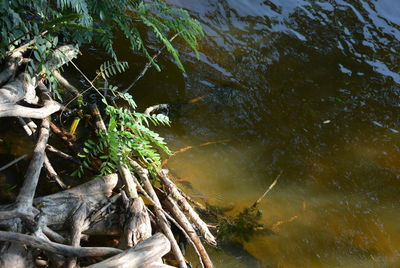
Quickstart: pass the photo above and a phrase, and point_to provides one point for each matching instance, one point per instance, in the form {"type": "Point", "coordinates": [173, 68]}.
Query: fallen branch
{"type": "Point", "coordinates": [67, 85]}
{"type": "Point", "coordinates": [27, 192]}
{"type": "Point", "coordinates": [15, 110]}
{"type": "Point", "coordinates": [22, 87]}
{"type": "Point", "coordinates": [187, 208]}
{"type": "Point", "coordinates": [60, 207]}
{"type": "Point", "coordinates": [142, 255]}
{"type": "Point", "coordinates": [137, 226]}
{"type": "Point", "coordinates": [68, 157]}
{"type": "Point", "coordinates": [162, 221]}
{"type": "Point", "coordinates": [184, 222]}
{"type": "Point", "coordinates": [53, 173]}
{"type": "Point", "coordinates": [57, 248]}
{"type": "Point", "coordinates": [30, 129]}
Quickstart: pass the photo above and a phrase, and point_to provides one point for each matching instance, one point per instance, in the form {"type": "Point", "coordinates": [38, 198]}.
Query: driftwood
{"type": "Point", "coordinates": [184, 222]}
{"type": "Point", "coordinates": [30, 129]}
{"type": "Point", "coordinates": [15, 110]}
{"type": "Point", "coordinates": [162, 221]}
{"type": "Point", "coordinates": [155, 108]}
{"type": "Point", "coordinates": [61, 206]}
{"type": "Point", "coordinates": [56, 211]}
{"type": "Point", "coordinates": [23, 86]}
{"type": "Point", "coordinates": [144, 254]}
{"type": "Point", "coordinates": [10, 68]}
{"type": "Point", "coordinates": [25, 196]}
{"type": "Point", "coordinates": [56, 247]}
{"type": "Point", "coordinates": [187, 208]}
{"type": "Point", "coordinates": [137, 226]}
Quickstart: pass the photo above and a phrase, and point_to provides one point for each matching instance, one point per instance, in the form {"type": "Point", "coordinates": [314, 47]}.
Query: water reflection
{"type": "Point", "coordinates": [307, 87]}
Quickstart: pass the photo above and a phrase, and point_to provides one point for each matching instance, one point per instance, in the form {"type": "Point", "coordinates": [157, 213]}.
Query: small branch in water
{"type": "Point", "coordinates": [267, 191]}
{"type": "Point", "coordinates": [63, 155]}
{"type": "Point", "coordinates": [184, 149]}
{"type": "Point", "coordinates": [13, 162]}
{"type": "Point", "coordinates": [52, 173]}
{"type": "Point", "coordinates": [67, 85]}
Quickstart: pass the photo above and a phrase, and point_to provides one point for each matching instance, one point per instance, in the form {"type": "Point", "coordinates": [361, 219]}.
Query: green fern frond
{"type": "Point", "coordinates": [108, 68]}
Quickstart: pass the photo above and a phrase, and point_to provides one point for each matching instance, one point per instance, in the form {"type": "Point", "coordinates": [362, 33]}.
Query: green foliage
{"type": "Point", "coordinates": [108, 68]}
{"type": "Point", "coordinates": [85, 21]}
{"type": "Point", "coordinates": [128, 136]}
{"type": "Point", "coordinates": [46, 24]}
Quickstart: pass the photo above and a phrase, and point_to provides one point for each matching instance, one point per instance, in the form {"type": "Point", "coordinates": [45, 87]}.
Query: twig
{"type": "Point", "coordinates": [53, 174]}
{"type": "Point", "coordinates": [61, 135]}
{"type": "Point", "coordinates": [13, 162]}
{"type": "Point", "coordinates": [184, 149]}
{"type": "Point", "coordinates": [52, 149]}
{"type": "Point", "coordinates": [267, 191]}
{"type": "Point", "coordinates": [148, 65]}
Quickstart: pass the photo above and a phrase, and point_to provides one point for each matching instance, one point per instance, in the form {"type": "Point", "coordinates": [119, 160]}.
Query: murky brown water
{"type": "Point", "coordinates": [310, 88]}
{"type": "Point", "coordinates": [307, 87]}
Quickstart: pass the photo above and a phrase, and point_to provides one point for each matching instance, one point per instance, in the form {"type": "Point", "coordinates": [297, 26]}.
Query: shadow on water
{"type": "Point", "coordinates": [307, 87]}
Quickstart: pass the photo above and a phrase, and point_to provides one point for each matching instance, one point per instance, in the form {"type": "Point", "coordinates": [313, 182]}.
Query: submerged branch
{"type": "Point", "coordinates": [13, 162]}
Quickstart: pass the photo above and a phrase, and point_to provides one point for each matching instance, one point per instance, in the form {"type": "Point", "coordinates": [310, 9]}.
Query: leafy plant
{"type": "Point", "coordinates": [84, 21]}
{"type": "Point", "coordinates": [45, 24]}
{"type": "Point", "coordinates": [128, 136]}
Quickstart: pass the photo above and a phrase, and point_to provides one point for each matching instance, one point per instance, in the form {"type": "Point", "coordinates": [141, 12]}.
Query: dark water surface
{"type": "Point", "coordinates": [310, 88]}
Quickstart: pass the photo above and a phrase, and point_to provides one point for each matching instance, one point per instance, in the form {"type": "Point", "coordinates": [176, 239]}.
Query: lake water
{"type": "Point", "coordinates": [307, 88]}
